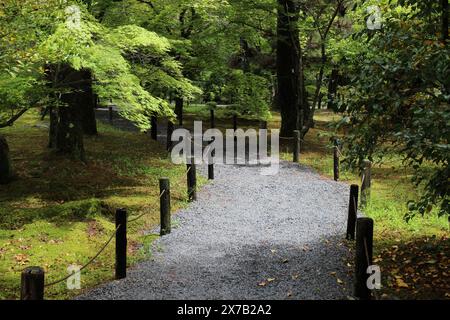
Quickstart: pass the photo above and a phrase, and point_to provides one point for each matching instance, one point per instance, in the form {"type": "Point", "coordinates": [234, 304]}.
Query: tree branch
{"type": "Point", "coordinates": [14, 118]}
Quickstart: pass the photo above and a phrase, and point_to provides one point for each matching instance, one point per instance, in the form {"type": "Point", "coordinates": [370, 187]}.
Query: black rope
{"type": "Point", "coordinates": [140, 216]}
{"type": "Point", "coordinates": [88, 263]}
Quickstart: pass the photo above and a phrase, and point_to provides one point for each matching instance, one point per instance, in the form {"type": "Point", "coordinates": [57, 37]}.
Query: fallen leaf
{"type": "Point", "coordinates": [21, 258]}
{"type": "Point", "coordinates": [400, 283]}
{"type": "Point", "coordinates": [409, 269]}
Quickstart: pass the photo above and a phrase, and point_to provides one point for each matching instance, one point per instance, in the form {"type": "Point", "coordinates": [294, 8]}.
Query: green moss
{"type": "Point", "coordinates": [59, 212]}
{"type": "Point", "coordinates": [13, 217]}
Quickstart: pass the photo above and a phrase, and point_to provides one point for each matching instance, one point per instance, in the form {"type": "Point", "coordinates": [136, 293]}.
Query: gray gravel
{"type": "Point", "coordinates": [249, 237]}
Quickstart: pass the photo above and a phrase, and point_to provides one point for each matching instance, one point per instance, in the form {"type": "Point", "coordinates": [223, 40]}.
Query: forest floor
{"type": "Point", "coordinates": [59, 212]}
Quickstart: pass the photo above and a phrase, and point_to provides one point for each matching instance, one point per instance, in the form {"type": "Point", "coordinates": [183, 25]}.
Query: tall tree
{"type": "Point", "coordinates": [126, 64]}
{"type": "Point", "coordinates": [289, 69]}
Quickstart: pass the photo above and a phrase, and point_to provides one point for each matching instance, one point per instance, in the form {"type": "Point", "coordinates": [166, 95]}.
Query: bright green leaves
{"type": "Point", "coordinates": [131, 66]}
{"type": "Point", "coordinates": [134, 39]}
{"type": "Point", "coordinates": [249, 94]}
{"type": "Point", "coordinates": [150, 57]}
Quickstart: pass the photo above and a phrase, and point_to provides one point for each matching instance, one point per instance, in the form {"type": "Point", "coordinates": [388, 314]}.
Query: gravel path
{"type": "Point", "coordinates": [249, 237]}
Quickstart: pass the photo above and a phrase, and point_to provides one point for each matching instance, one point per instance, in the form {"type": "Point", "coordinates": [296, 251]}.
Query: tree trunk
{"type": "Point", "coordinates": [86, 102]}
{"type": "Point", "coordinates": [66, 129]}
{"type": "Point", "coordinates": [53, 127]}
{"type": "Point", "coordinates": [5, 162]}
{"type": "Point", "coordinates": [69, 133]}
{"type": "Point", "coordinates": [332, 88]}
{"type": "Point", "coordinates": [288, 66]}
{"type": "Point", "coordinates": [179, 109]}
{"type": "Point", "coordinates": [444, 7]}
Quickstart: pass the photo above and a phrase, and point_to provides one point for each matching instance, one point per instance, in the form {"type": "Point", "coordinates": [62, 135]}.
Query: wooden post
{"type": "Point", "coordinates": [110, 111]}
{"type": "Point", "coordinates": [192, 180]}
{"type": "Point", "coordinates": [352, 212]}
{"type": "Point", "coordinates": [32, 284]}
{"type": "Point", "coordinates": [170, 129]}
{"type": "Point", "coordinates": [211, 171]}
{"type": "Point", "coordinates": [363, 257]}
{"type": "Point", "coordinates": [211, 163]}
{"type": "Point", "coordinates": [366, 182]}
{"type": "Point", "coordinates": [121, 244]}
{"type": "Point", "coordinates": [235, 122]}
{"type": "Point", "coordinates": [212, 118]}
{"type": "Point", "coordinates": [336, 161]}
{"type": "Point", "coordinates": [154, 128]}
{"type": "Point", "coordinates": [296, 147]}
{"type": "Point", "coordinates": [179, 110]}
{"type": "Point", "coordinates": [164, 201]}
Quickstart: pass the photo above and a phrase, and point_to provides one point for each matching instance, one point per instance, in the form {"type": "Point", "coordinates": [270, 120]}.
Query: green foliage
{"type": "Point", "coordinates": [204, 38]}
{"type": "Point", "coordinates": [21, 27]}
{"type": "Point", "coordinates": [398, 98]}
{"type": "Point", "coordinates": [248, 93]}
{"type": "Point", "coordinates": [131, 66]}
{"type": "Point", "coordinates": [91, 46]}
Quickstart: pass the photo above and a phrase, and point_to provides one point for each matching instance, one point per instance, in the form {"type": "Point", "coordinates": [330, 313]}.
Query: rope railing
{"type": "Point", "coordinates": [88, 263]}
{"type": "Point", "coordinates": [190, 172]}
{"type": "Point", "coordinates": [145, 213]}
{"type": "Point", "coordinates": [33, 278]}
{"type": "Point", "coordinates": [339, 151]}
